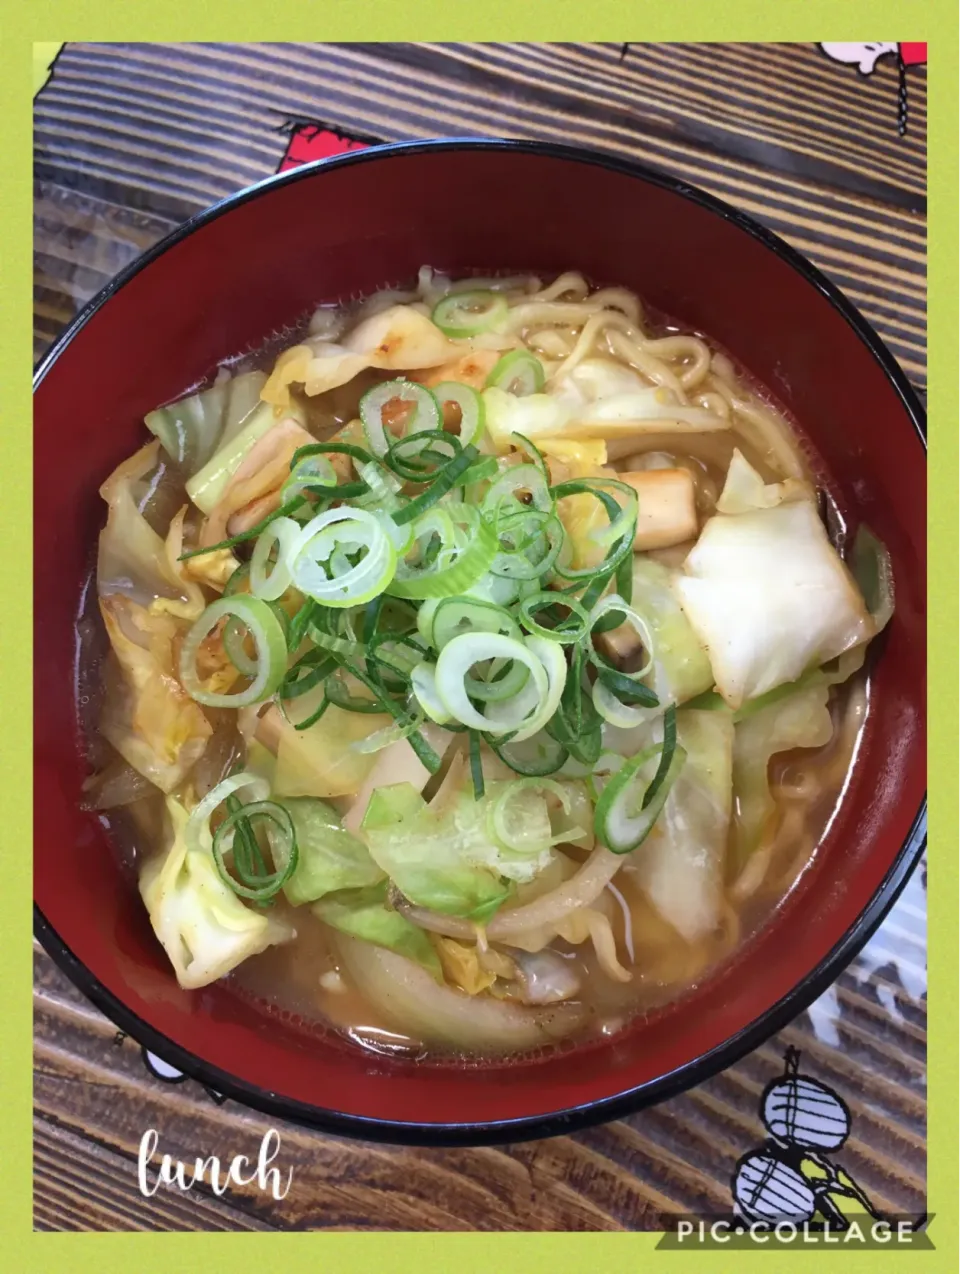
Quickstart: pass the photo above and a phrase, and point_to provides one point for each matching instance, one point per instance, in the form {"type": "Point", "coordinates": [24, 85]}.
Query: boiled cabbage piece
{"type": "Point", "coordinates": [363, 914]}
{"type": "Point", "coordinates": [681, 668]}
{"type": "Point", "coordinates": [799, 720]}
{"type": "Point", "coordinates": [435, 861]}
{"type": "Point", "coordinates": [319, 760]}
{"type": "Point", "coordinates": [133, 560]}
{"type": "Point", "coordinates": [193, 428]}
{"type": "Point", "coordinates": [769, 597]}
{"type": "Point", "coordinates": [599, 399]}
{"type": "Point", "coordinates": [681, 863]}
{"type": "Point", "coordinates": [330, 858]}
{"type": "Point", "coordinates": [147, 602]}
{"type": "Point", "coordinates": [147, 715]}
{"type": "Point", "coordinates": [461, 855]}
{"type": "Point", "coordinates": [203, 926]}
{"type": "Point", "coordinates": [745, 490]}
{"type": "Point", "coordinates": [400, 338]}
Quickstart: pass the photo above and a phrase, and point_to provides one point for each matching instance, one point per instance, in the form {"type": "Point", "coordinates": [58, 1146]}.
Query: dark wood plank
{"type": "Point", "coordinates": [188, 124]}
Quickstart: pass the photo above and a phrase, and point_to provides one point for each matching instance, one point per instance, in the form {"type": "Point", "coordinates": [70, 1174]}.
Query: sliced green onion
{"type": "Point", "coordinates": [461, 654]}
{"type": "Point", "coordinates": [284, 511]}
{"type": "Point", "coordinates": [480, 471]}
{"type": "Point", "coordinates": [476, 766]}
{"type": "Point", "coordinates": [472, 410]}
{"type": "Point", "coordinates": [342, 647]}
{"type": "Point", "coordinates": [462, 314]}
{"type": "Point", "coordinates": [319, 573]}
{"type": "Point", "coordinates": [536, 455]}
{"type": "Point", "coordinates": [299, 624]}
{"type": "Point", "coordinates": [235, 835]}
{"type": "Point", "coordinates": [279, 535]}
{"type": "Point", "coordinates": [498, 815]}
{"type": "Point", "coordinates": [625, 686]}
{"type": "Point", "coordinates": [620, 549]}
{"type": "Point", "coordinates": [628, 806]}
{"type": "Point", "coordinates": [390, 734]}
{"type": "Point", "coordinates": [445, 481]}
{"type": "Point", "coordinates": [467, 547]}
{"type": "Point", "coordinates": [614, 604]}
{"type": "Point", "coordinates": [455, 615]}
{"type": "Point", "coordinates": [502, 680]}
{"type": "Point", "coordinates": [269, 640]}
{"type": "Point", "coordinates": [306, 674]}
{"type": "Point", "coordinates": [423, 683]}
{"type": "Point", "coordinates": [239, 576]}
{"type": "Point", "coordinates": [536, 539]}
{"type": "Point", "coordinates": [234, 636]}
{"type": "Point", "coordinates": [539, 755]}
{"type": "Point", "coordinates": [197, 833]}
{"type": "Point", "coordinates": [568, 630]}
{"type": "Point", "coordinates": [384, 492]}
{"type": "Point", "coordinates": [526, 478]}
{"type": "Point", "coordinates": [420, 456]}
{"type": "Point", "coordinates": [421, 747]}
{"type": "Point", "coordinates": [313, 474]}
{"type": "Point", "coordinates": [615, 711]}
{"type": "Point", "coordinates": [425, 414]}
{"type": "Point", "coordinates": [554, 664]}
{"type": "Point", "coordinates": [518, 372]}
{"type": "Point", "coordinates": [341, 696]}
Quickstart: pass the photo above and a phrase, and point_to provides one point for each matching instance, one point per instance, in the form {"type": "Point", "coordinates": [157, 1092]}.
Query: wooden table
{"type": "Point", "coordinates": [130, 140]}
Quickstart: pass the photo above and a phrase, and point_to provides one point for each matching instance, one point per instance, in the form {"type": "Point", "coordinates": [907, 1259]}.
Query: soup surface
{"type": "Point", "coordinates": [474, 667]}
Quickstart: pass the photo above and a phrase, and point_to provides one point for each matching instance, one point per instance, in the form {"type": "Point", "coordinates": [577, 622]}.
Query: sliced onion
{"type": "Point", "coordinates": [411, 1000]}
{"type": "Point", "coordinates": [550, 909]}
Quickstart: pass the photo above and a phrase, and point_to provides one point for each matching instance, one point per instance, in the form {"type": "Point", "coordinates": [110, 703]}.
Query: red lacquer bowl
{"type": "Point", "coordinates": [259, 260]}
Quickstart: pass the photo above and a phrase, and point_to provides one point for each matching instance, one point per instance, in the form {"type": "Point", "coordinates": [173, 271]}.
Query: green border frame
{"type": "Point", "coordinates": [702, 20]}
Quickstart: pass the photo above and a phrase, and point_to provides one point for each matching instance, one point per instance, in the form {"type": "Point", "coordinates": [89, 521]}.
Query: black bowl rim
{"type": "Point", "coordinates": [571, 1119]}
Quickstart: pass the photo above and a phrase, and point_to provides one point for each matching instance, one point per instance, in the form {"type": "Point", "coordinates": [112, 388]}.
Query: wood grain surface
{"type": "Point", "coordinates": [130, 140]}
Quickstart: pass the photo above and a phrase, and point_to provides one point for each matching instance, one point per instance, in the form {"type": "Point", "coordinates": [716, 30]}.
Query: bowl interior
{"type": "Point", "coordinates": [346, 230]}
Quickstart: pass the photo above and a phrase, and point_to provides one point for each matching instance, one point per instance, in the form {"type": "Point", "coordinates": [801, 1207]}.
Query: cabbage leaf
{"type": "Point", "coordinates": [193, 428]}
{"type": "Point", "coordinates": [363, 914]}
{"type": "Point", "coordinates": [769, 598]}
{"type": "Point", "coordinates": [203, 926]}
{"type": "Point", "coordinates": [800, 720]}
{"type": "Point", "coordinates": [435, 861]}
{"type": "Point", "coordinates": [681, 863]}
{"type": "Point", "coordinates": [330, 858]}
